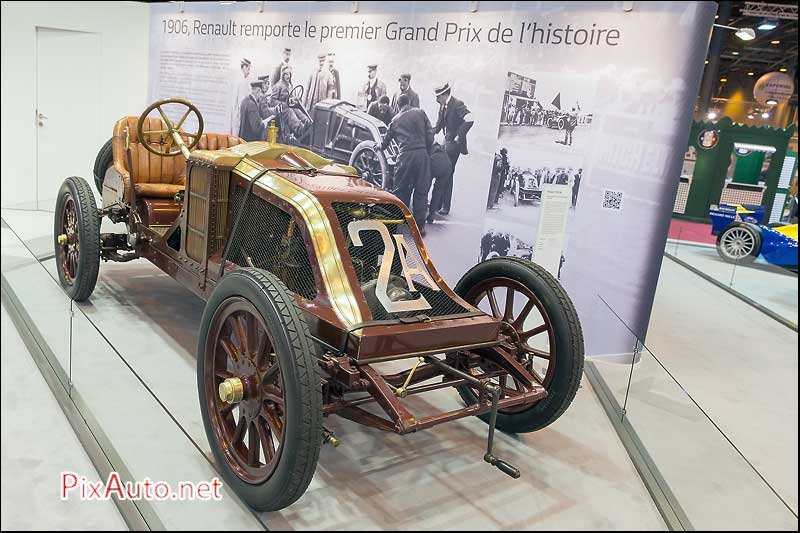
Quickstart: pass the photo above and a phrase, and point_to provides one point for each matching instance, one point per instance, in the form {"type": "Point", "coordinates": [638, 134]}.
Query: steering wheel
{"type": "Point", "coordinates": [298, 98]}
{"type": "Point", "coordinates": [299, 95]}
{"type": "Point", "coordinates": [174, 144]}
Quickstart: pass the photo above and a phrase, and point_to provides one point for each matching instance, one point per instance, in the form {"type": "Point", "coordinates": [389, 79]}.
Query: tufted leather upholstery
{"type": "Point", "coordinates": [157, 176]}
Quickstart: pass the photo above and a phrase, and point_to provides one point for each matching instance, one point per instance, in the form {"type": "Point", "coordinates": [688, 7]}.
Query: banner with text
{"type": "Point", "coordinates": [580, 113]}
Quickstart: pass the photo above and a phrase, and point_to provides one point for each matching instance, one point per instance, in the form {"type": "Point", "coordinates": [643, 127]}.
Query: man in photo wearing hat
{"type": "Point", "coordinates": [317, 86]}
{"type": "Point", "coordinates": [264, 107]}
{"type": "Point", "coordinates": [240, 91]}
{"type": "Point", "coordinates": [455, 121]}
{"type": "Point", "coordinates": [374, 88]}
{"type": "Point", "coordinates": [412, 131]}
{"type": "Point", "coordinates": [334, 80]}
{"type": "Point", "coordinates": [405, 88]}
{"type": "Point", "coordinates": [252, 127]}
{"type": "Point", "coordinates": [276, 72]}
{"type": "Point", "coordinates": [381, 110]}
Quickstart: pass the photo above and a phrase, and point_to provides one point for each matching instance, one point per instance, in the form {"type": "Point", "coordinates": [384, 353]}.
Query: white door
{"type": "Point", "coordinates": [67, 109]}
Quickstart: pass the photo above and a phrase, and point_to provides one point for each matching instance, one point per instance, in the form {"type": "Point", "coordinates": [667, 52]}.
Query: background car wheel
{"type": "Point", "coordinates": [740, 242]}
{"type": "Point", "coordinates": [76, 236]}
{"type": "Point", "coordinates": [370, 163]}
{"type": "Point", "coordinates": [543, 319]}
{"type": "Point", "coordinates": [104, 159]}
{"type": "Point", "coordinates": [255, 342]}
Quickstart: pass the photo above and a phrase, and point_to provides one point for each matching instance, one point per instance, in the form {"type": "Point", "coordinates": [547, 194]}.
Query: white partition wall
{"type": "Point", "coordinates": [116, 78]}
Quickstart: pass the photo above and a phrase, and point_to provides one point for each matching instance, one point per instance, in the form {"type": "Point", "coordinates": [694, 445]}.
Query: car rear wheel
{"type": "Point", "coordinates": [739, 243]}
{"type": "Point", "coordinates": [259, 387]}
{"type": "Point", "coordinates": [76, 235]}
{"type": "Point", "coordinates": [538, 314]}
{"type": "Point", "coordinates": [104, 159]}
{"type": "Point", "coordinates": [370, 163]}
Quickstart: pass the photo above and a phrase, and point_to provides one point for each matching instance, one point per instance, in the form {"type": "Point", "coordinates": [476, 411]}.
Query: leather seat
{"type": "Point", "coordinates": [156, 176]}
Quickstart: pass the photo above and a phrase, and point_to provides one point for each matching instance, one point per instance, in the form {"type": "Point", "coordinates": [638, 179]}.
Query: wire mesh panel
{"type": "Point", "coordinates": [268, 238]}
{"type": "Point", "coordinates": [369, 256]}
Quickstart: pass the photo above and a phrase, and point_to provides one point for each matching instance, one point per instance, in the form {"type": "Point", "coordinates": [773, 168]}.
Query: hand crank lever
{"type": "Point", "coordinates": [504, 467]}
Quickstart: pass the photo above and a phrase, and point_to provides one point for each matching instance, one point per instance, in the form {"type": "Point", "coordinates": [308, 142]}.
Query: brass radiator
{"type": "Point", "coordinates": [206, 210]}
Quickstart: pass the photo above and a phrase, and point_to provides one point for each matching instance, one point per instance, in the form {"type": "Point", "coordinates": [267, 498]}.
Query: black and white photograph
{"type": "Point", "coordinates": [503, 238]}
{"type": "Point", "coordinates": [553, 111]}
{"type": "Point", "coordinates": [515, 189]}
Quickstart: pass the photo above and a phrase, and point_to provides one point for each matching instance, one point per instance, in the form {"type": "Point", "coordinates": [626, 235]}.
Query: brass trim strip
{"type": "Point", "coordinates": [330, 260]}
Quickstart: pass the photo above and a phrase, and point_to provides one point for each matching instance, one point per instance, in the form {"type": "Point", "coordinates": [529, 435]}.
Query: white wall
{"type": "Point", "coordinates": [123, 29]}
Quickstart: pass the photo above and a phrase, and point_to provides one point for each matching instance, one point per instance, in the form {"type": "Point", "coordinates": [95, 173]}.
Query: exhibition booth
{"type": "Point", "coordinates": [226, 196]}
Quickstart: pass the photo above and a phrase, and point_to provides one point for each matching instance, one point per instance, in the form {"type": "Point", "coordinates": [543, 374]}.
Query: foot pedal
{"type": "Point", "coordinates": [506, 468]}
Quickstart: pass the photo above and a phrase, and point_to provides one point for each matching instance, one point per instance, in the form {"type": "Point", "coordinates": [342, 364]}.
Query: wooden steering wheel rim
{"type": "Point", "coordinates": [170, 126]}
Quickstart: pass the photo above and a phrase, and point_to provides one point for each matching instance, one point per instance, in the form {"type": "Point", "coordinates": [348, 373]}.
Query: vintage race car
{"type": "Point", "coordinates": [321, 299]}
{"type": "Point", "coordinates": [742, 239]}
{"type": "Point", "coordinates": [342, 132]}
{"type": "Point", "coordinates": [526, 188]}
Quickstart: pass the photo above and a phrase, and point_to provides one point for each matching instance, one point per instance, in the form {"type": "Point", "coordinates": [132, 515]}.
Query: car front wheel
{"type": "Point", "coordinates": [739, 243]}
{"type": "Point", "coordinates": [259, 386]}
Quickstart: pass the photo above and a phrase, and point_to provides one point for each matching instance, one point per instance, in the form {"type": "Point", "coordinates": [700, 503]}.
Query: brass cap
{"type": "Point", "coordinates": [231, 390]}
{"type": "Point", "coordinates": [62, 238]}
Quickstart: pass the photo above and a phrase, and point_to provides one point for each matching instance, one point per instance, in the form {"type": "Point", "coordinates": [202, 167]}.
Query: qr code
{"type": "Point", "coordinates": [612, 200]}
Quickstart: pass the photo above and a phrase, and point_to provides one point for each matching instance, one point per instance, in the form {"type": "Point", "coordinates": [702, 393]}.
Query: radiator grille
{"type": "Point", "coordinates": [268, 238]}
{"type": "Point", "coordinates": [207, 205]}
{"type": "Point", "coordinates": [367, 259]}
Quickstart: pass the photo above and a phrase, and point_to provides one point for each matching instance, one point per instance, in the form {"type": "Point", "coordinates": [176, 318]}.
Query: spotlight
{"type": "Point", "coordinates": [712, 115]}
{"type": "Point", "coordinates": [764, 115]}
{"type": "Point", "coordinates": [735, 53]}
{"type": "Point", "coordinates": [782, 69]}
{"type": "Point", "coordinates": [768, 25]}
{"type": "Point", "coordinates": [723, 80]}
{"type": "Point", "coordinates": [746, 34]}
{"type": "Point", "coordinates": [775, 41]}
{"type": "Point", "coordinates": [751, 116]}
{"type": "Point", "coordinates": [772, 102]}
{"type": "Point", "coordinates": [751, 73]}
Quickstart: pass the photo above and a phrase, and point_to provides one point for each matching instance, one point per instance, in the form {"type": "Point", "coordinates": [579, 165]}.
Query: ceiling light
{"type": "Point", "coordinates": [712, 115]}
{"type": "Point", "coordinates": [706, 61]}
{"type": "Point", "coordinates": [723, 80]}
{"type": "Point", "coordinates": [772, 102]}
{"type": "Point", "coordinates": [764, 115]}
{"type": "Point", "coordinates": [735, 53]}
{"type": "Point", "coordinates": [768, 25]}
{"type": "Point", "coordinates": [751, 116]}
{"type": "Point", "coordinates": [745, 34]}
{"type": "Point", "coordinates": [775, 41]}
{"type": "Point", "coordinates": [782, 69]}
{"type": "Point", "coordinates": [751, 73]}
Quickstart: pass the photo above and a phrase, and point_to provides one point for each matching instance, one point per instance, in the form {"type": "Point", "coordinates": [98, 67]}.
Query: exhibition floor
{"type": "Point", "coordinates": [770, 286]}
{"type": "Point", "coordinates": [713, 401]}
{"type": "Point", "coordinates": [138, 331]}
{"type": "Point", "coordinates": [35, 454]}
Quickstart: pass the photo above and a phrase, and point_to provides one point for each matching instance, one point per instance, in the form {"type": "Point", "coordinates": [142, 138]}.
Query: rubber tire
{"type": "Point", "coordinates": [104, 159]}
{"type": "Point", "coordinates": [302, 391]}
{"type": "Point", "coordinates": [89, 231]}
{"type": "Point", "coordinates": [385, 171]}
{"type": "Point", "coordinates": [754, 230]}
{"type": "Point", "coordinates": [568, 336]}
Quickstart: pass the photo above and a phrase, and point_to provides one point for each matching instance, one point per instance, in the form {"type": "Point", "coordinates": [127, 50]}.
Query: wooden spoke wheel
{"type": "Point", "coordinates": [259, 386]}
{"type": "Point", "coordinates": [242, 355]}
{"type": "Point", "coordinates": [76, 236]}
{"type": "Point", "coordinates": [539, 325]}
{"type": "Point", "coordinates": [69, 241]}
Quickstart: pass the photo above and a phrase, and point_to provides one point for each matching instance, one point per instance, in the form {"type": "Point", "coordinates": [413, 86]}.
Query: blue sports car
{"type": "Point", "coordinates": [741, 238]}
